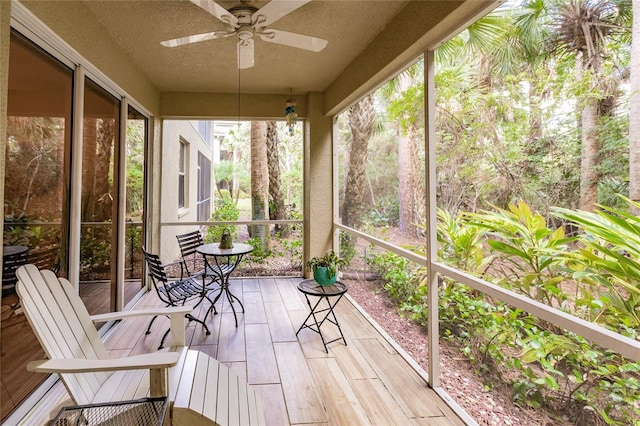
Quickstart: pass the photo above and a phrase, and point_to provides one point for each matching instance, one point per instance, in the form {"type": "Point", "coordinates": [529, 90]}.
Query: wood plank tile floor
{"type": "Point", "coordinates": [366, 382]}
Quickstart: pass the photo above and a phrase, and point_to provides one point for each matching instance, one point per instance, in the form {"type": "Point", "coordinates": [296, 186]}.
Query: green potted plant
{"type": "Point", "coordinates": [325, 268]}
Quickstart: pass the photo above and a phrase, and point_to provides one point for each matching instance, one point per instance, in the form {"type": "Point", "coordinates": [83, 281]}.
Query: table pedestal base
{"type": "Point", "coordinates": [225, 261]}
{"type": "Point", "coordinates": [232, 298]}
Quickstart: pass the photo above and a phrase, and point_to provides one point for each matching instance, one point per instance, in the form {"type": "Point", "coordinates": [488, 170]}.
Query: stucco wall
{"type": "Point", "coordinates": [318, 179]}
{"type": "Point", "coordinates": [225, 105]}
{"type": "Point", "coordinates": [173, 131]}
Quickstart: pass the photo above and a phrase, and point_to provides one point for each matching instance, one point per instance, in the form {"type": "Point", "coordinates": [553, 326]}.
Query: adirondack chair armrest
{"type": "Point", "coordinates": [152, 361]}
{"type": "Point", "coordinates": [158, 363]}
{"type": "Point", "coordinates": [176, 315]}
{"type": "Point", "coordinates": [169, 311]}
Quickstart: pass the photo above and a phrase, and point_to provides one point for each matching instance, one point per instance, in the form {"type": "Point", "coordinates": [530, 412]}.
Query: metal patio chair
{"type": "Point", "coordinates": [177, 292]}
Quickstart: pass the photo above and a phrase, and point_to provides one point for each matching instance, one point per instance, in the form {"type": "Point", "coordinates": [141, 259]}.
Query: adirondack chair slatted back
{"type": "Point", "coordinates": [63, 326]}
{"type": "Point", "coordinates": [188, 243]}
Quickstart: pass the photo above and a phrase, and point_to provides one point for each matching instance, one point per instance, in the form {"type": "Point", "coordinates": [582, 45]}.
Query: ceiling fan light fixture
{"type": "Point", "coordinates": [245, 53]}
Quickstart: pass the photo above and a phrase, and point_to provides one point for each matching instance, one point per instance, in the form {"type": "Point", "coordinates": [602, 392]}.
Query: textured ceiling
{"type": "Point", "coordinates": [210, 66]}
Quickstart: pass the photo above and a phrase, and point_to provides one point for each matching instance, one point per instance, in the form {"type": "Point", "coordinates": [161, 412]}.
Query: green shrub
{"type": "Point", "coordinates": [460, 243]}
{"type": "Point", "coordinates": [547, 367]}
{"type": "Point", "coordinates": [293, 248]}
{"type": "Point", "coordinates": [530, 252]}
{"type": "Point", "coordinates": [225, 211]}
{"type": "Point", "coordinates": [608, 259]}
{"type": "Point", "coordinates": [260, 253]}
{"type": "Point", "coordinates": [347, 246]}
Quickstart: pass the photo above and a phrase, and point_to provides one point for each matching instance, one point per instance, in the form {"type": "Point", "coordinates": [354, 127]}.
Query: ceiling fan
{"type": "Point", "coordinates": [245, 21]}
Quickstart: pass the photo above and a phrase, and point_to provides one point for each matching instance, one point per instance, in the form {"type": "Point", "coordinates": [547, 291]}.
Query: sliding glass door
{"type": "Point", "coordinates": [99, 201]}
{"type": "Point", "coordinates": [36, 203]}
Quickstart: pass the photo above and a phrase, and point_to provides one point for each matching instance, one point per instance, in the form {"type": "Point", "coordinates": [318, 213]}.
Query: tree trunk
{"type": "Point", "coordinates": [589, 175]}
{"type": "Point", "coordinates": [634, 110]}
{"type": "Point", "coordinates": [361, 117]}
{"type": "Point", "coordinates": [104, 162]}
{"type": "Point", "coordinates": [277, 210]}
{"type": "Point", "coordinates": [259, 179]}
{"type": "Point", "coordinates": [408, 183]}
{"type": "Point", "coordinates": [89, 151]}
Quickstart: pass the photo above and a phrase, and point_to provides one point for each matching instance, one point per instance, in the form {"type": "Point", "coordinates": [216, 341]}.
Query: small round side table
{"type": "Point", "coordinates": [319, 314]}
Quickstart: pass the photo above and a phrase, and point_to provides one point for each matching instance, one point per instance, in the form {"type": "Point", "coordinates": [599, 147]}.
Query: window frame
{"type": "Point", "coordinates": [183, 160]}
{"type": "Point", "coordinates": [203, 202]}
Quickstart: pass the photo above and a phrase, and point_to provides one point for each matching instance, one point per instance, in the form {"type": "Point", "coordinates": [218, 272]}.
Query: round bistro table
{"type": "Point", "coordinates": [225, 261]}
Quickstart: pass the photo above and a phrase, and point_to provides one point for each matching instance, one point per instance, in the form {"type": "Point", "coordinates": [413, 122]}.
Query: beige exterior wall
{"type": "Point", "coordinates": [318, 180]}
{"type": "Point", "coordinates": [173, 132]}
{"type": "Point", "coordinates": [225, 105]}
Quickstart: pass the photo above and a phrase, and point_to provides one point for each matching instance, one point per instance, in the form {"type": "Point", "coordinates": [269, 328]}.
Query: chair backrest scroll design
{"type": "Point", "coordinates": [10, 264]}
{"type": "Point", "coordinates": [188, 243]}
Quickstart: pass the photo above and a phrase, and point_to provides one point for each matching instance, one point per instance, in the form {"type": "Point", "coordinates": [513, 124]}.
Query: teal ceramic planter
{"type": "Point", "coordinates": [320, 276]}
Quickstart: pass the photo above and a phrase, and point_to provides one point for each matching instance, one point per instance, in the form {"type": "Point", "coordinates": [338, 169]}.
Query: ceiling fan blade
{"type": "Point", "coordinates": [181, 41]}
{"type": "Point", "coordinates": [300, 41]}
{"type": "Point", "coordinates": [218, 11]}
{"type": "Point", "coordinates": [245, 54]}
{"type": "Point", "coordinates": [276, 9]}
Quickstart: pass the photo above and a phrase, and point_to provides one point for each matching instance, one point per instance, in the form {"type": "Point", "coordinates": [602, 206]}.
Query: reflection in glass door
{"type": "Point", "coordinates": [99, 199]}
{"type": "Point", "coordinates": [135, 191]}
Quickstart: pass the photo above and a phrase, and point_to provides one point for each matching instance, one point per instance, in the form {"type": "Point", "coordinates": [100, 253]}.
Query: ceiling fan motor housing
{"type": "Point", "coordinates": [244, 14]}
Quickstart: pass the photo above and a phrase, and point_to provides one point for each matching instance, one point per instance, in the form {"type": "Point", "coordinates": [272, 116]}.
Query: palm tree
{"type": "Point", "coordinates": [361, 120]}
{"type": "Point", "coordinates": [470, 150]}
{"type": "Point", "coordinates": [583, 30]}
{"type": "Point", "coordinates": [528, 40]}
{"type": "Point", "coordinates": [104, 176]}
{"type": "Point", "coordinates": [277, 208]}
{"type": "Point", "coordinates": [259, 179]}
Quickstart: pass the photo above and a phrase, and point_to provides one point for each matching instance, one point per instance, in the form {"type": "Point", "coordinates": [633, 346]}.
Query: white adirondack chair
{"type": "Point", "coordinates": [67, 334]}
